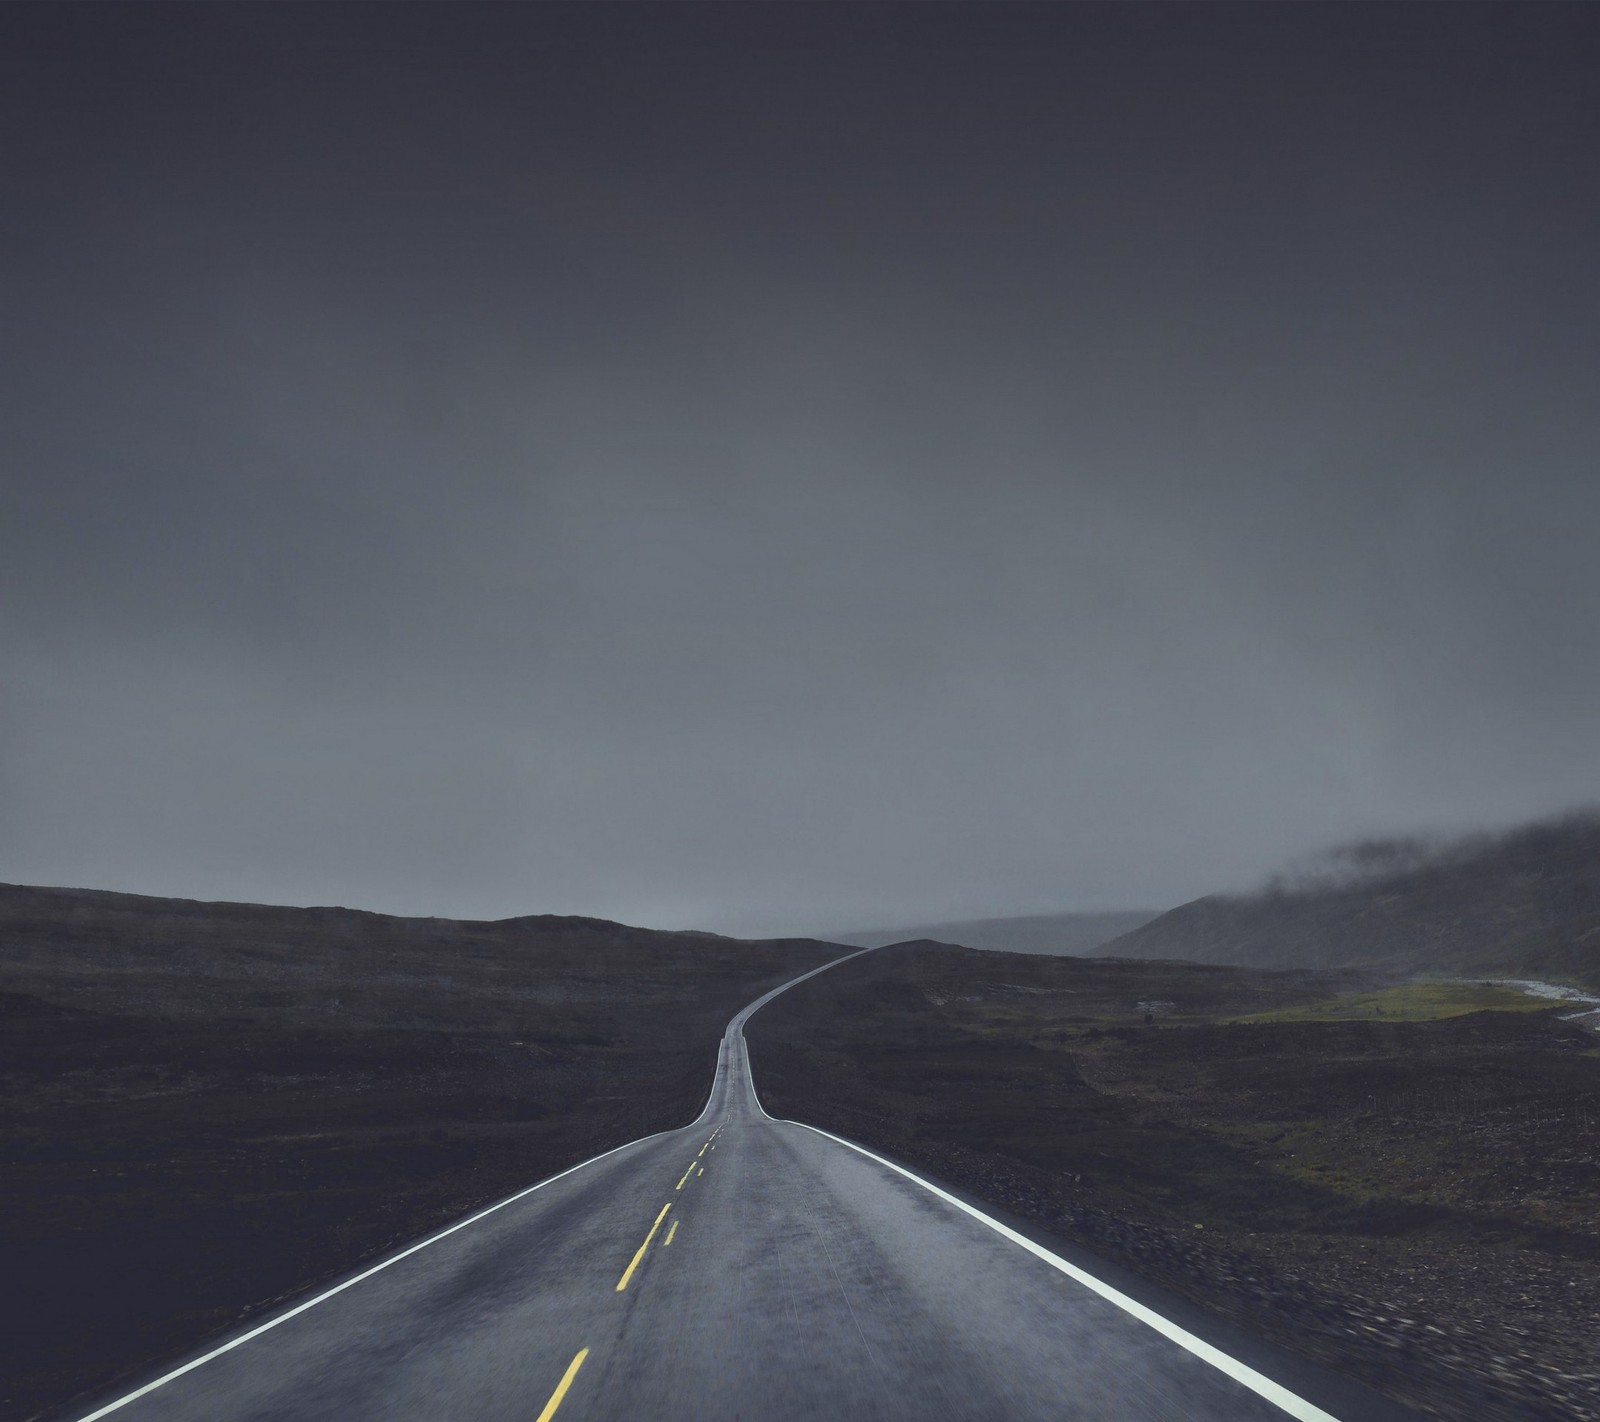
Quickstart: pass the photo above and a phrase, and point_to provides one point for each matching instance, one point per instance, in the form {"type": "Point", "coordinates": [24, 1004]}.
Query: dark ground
{"type": "Point", "coordinates": [207, 1107]}
{"type": "Point", "coordinates": [1414, 1202]}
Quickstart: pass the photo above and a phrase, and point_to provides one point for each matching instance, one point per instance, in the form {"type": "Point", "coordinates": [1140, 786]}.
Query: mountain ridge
{"type": "Point", "coordinates": [1525, 902]}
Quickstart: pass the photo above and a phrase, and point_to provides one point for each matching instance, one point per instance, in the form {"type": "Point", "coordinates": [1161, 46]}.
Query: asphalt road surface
{"type": "Point", "coordinates": [739, 1268]}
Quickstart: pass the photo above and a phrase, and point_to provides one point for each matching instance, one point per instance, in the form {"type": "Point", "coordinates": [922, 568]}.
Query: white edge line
{"type": "Point", "coordinates": [326, 1294]}
{"type": "Point", "coordinates": [1258, 1383]}
{"type": "Point", "coordinates": [259, 1329]}
{"type": "Point", "coordinates": [1280, 1396]}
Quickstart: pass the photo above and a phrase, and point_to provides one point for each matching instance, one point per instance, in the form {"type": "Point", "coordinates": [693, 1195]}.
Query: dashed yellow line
{"type": "Point", "coordinates": [672, 1229]}
{"type": "Point", "coordinates": [563, 1385]}
{"type": "Point", "coordinates": [686, 1174]}
{"type": "Point", "coordinates": [701, 1169]}
{"type": "Point", "coordinates": [633, 1264]}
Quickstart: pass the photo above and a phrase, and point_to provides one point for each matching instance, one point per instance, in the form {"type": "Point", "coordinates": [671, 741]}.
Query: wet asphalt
{"type": "Point", "coordinates": [740, 1268]}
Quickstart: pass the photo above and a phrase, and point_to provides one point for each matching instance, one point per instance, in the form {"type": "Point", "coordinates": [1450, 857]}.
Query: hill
{"type": "Point", "coordinates": [1055, 934]}
{"type": "Point", "coordinates": [1521, 904]}
{"type": "Point", "coordinates": [223, 1103]}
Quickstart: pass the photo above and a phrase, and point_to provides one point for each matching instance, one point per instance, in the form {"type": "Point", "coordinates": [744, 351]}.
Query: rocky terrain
{"type": "Point", "coordinates": [206, 1107]}
{"type": "Point", "coordinates": [1401, 1180]}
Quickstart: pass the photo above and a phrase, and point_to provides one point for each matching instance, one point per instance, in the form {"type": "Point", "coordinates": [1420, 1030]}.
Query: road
{"type": "Point", "coordinates": [740, 1268]}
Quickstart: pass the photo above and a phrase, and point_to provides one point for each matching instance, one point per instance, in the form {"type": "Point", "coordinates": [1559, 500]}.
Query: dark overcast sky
{"type": "Point", "coordinates": [770, 468]}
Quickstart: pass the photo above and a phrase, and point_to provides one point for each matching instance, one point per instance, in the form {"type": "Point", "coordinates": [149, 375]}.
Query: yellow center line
{"type": "Point", "coordinates": [672, 1229]}
{"type": "Point", "coordinates": [702, 1169]}
{"type": "Point", "coordinates": [562, 1386]}
{"type": "Point", "coordinates": [686, 1174]}
{"type": "Point", "coordinates": [627, 1273]}
{"type": "Point", "coordinates": [702, 1149]}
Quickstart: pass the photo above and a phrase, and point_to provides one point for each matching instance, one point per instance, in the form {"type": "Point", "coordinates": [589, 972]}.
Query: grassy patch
{"type": "Point", "coordinates": [1406, 1002]}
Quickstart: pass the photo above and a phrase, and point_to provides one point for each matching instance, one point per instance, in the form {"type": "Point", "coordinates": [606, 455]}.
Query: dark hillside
{"type": "Point", "coordinates": [1077, 934]}
{"type": "Point", "coordinates": [204, 1107]}
{"type": "Point", "coordinates": [1526, 904]}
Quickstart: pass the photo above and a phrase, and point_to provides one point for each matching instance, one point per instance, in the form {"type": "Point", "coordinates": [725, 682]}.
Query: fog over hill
{"type": "Point", "coordinates": [1522, 903]}
{"type": "Point", "coordinates": [1057, 934]}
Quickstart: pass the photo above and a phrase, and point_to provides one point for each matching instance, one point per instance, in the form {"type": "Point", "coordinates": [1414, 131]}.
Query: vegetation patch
{"type": "Point", "coordinates": [1408, 1002]}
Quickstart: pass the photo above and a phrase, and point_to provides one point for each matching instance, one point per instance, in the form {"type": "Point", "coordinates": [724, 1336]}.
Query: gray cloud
{"type": "Point", "coordinates": [781, 470]}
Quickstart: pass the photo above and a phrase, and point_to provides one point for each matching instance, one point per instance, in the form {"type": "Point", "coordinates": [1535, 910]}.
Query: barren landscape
{"type": "Point", "coordinates": [1399, 1180]}
{"type": "Point", "coordinates": [1110, 488]}
{"type": "Point", "coordinates": [207, 1107]}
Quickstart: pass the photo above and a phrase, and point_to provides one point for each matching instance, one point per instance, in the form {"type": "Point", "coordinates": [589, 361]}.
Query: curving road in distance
{"type": "Point", "coordinates": [740, 1268]}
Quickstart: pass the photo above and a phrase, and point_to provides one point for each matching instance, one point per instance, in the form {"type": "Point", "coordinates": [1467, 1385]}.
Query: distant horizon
{"type": "Point", "coordinates": [635, 922]}
{"type": "Point", "coordinates": [1306, 862]}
